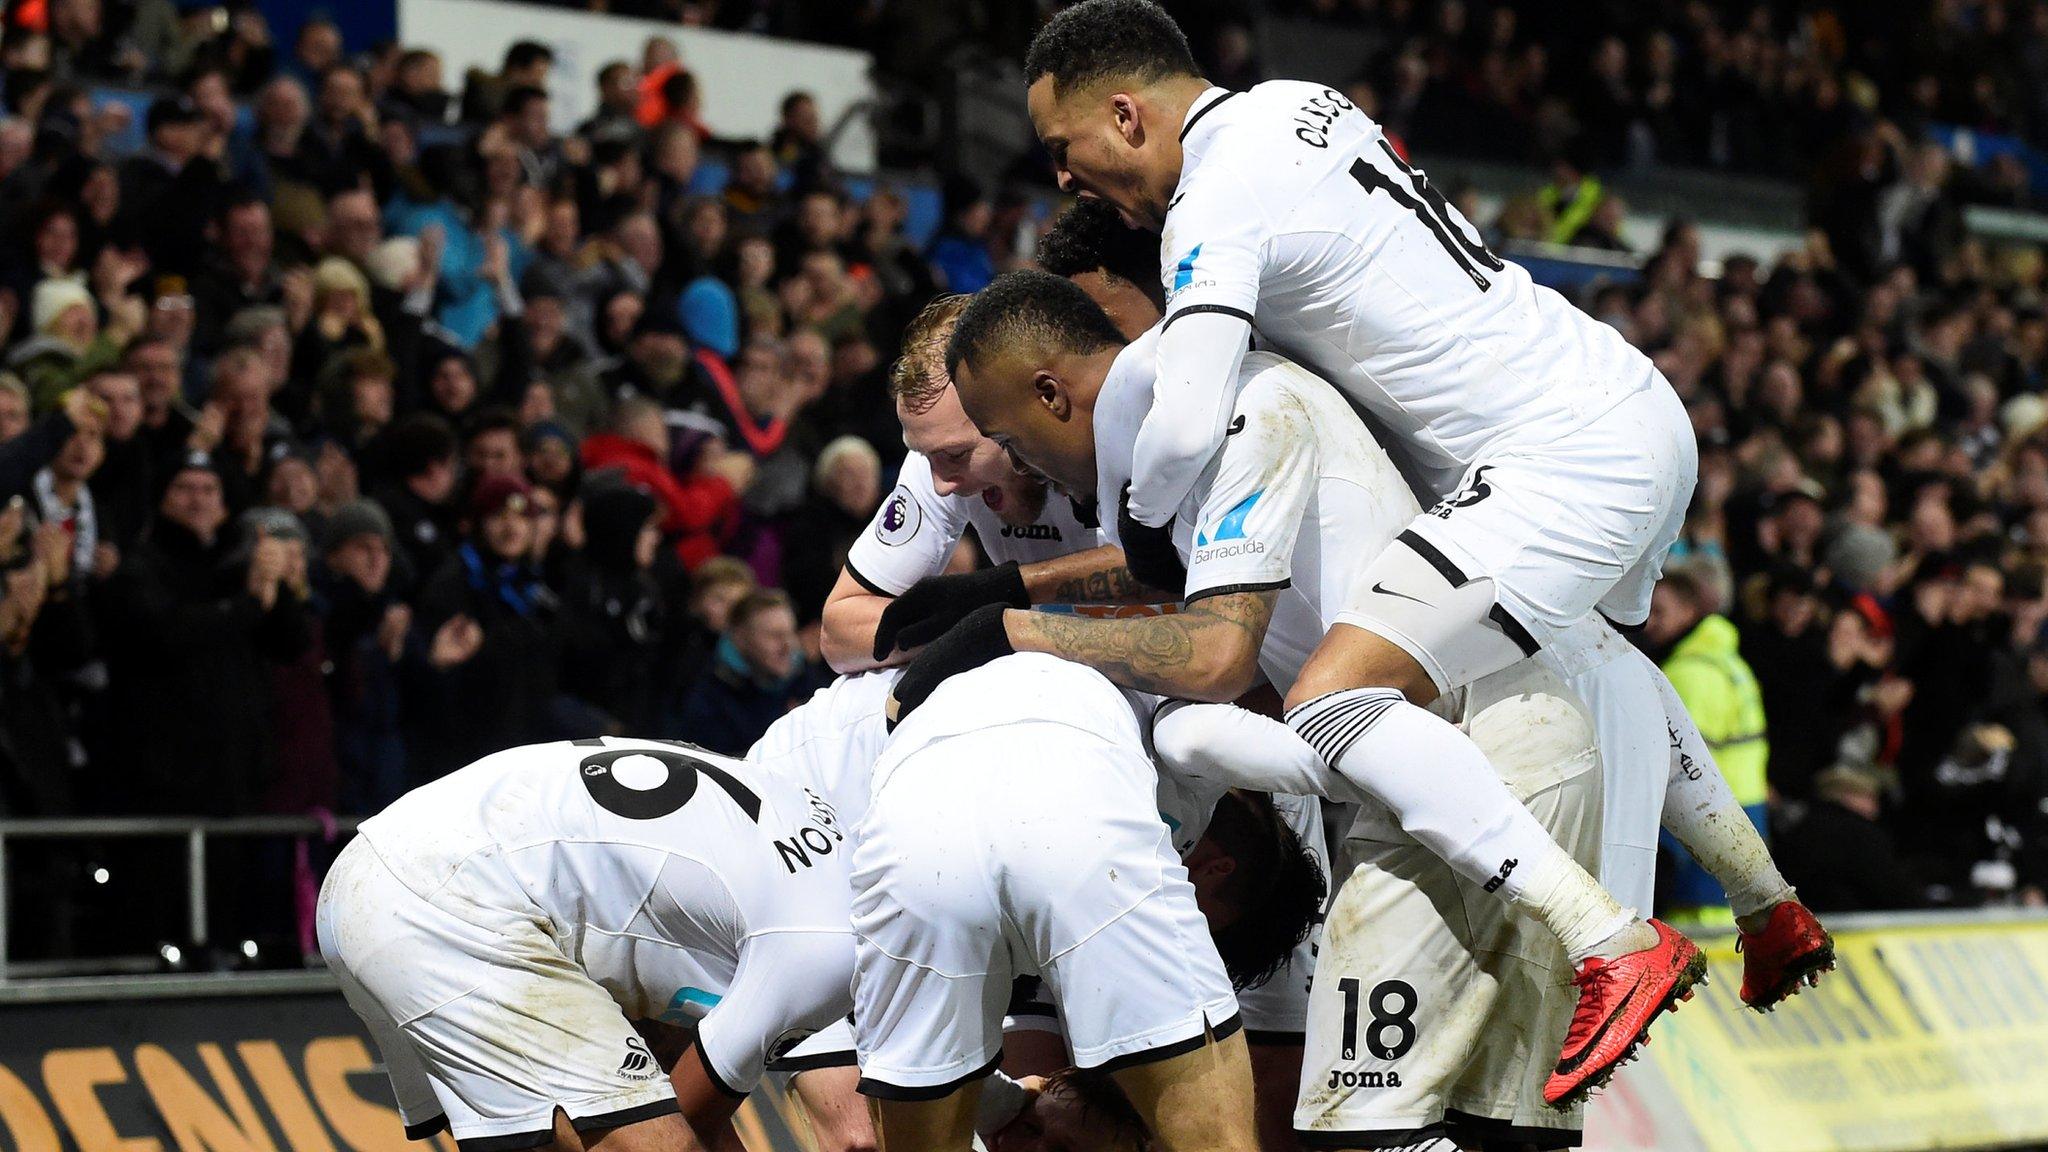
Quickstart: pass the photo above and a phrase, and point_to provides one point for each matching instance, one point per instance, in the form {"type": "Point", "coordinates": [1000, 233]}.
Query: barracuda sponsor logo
{"type": "Point", "coordinates": [1226, 537]}
{"type": "Point", "coordinates": [1184, 274]}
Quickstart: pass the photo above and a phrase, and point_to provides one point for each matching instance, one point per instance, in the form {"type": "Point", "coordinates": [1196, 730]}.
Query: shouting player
{"type": "Point", "coordinates": [500, 929]}
{"type": "Point", "coordinates": [953, 479]}
{"type": "Point", "coordinates": [1561, 460]}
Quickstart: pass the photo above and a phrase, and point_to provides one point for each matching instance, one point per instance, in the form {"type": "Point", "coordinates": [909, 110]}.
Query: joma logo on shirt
{"type": "Point", "coordinates": [1031, 532]}
{"type": "Point", "coordinates": [1341, 1079]}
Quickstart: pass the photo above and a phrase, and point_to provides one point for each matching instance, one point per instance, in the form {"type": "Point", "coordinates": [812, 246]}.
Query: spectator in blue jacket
{"type": "Point", "coordinates": [757, 673]}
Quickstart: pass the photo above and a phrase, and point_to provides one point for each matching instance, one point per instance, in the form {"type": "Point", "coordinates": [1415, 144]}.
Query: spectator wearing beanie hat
{"type": "Point", "coordinates": [193, 630]}
{"type": "Point", "coordinates": [366, 632]}
{"type": "Point", "coordinates": [551, 459]}
{"type": "Point", "coordinates": [495, 637]}
{"type": "Point", "coordinates": [301, 719]}
{"type": "Point", "coordinates": [342, 322]}
{"type": "Point", "coordinates": [68, 345]}
{"type": "Point", "coordinates": [657, 360]}
{"type": "Point", "coordinates": [613, 619]}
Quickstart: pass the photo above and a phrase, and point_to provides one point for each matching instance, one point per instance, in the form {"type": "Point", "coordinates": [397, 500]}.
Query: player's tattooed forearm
{"type": "Point", "coordinates": [1112, 585]}
{"type": "Point", "coordinates": [1155, 654]}
{"type": "Point", "coordinates": [1138, 657]}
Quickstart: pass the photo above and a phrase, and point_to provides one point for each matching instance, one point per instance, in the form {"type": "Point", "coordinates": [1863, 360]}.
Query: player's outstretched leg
{"type": "Point", "coordinates": [1783, 944]}
{"type": "Point", "coordinates": [1199, 1101]}
{"type": "Point", "coordinates": [1352, 704]}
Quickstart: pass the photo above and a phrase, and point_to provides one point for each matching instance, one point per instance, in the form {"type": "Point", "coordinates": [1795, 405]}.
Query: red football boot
{"type": "Point", "coordinates": [1793, 949]}
{"type": "Point", "coordinates": [1617, 1001]}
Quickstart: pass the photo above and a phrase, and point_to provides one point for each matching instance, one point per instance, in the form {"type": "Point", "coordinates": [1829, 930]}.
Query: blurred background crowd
{"type": "Point", "coordinates": [355, 422]}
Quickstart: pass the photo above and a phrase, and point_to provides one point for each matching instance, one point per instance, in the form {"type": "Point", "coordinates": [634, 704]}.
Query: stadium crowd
{"type": "Point", "coordinates": [337, 450]}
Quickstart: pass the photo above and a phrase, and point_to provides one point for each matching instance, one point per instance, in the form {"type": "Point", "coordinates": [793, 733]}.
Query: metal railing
{"type": "Point", "coordinates": [195, 832]}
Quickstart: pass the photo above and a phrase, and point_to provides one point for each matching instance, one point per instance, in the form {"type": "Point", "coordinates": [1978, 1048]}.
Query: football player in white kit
{"type": "Point", "coordinates": [1657, 769]}
{"type": "Point", "coordinates": [955, 478]}
{"type": "Point", "coordinates": [1274, 564]}
{"type": "Point", "coordinates": [974, 864]}
{"type": "Point", "coordinates": [1563, 461]}
{"type": "Point", "coordinates": [1260, 887]}
{"type": "Point", "coordinates": [1052, 559]}
{"type": "Point", "coordinates": [1294, 517]}
{"type": "Point", "coordinates": [500, 929]}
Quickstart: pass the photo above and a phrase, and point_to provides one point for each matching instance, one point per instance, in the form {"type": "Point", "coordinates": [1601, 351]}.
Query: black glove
{"type": "Point", "coordinates": [1149, 552]}
{"type": "Point", "coordinates": [978, 638]}
{"type": "Point", "coordinates": [932, 605]}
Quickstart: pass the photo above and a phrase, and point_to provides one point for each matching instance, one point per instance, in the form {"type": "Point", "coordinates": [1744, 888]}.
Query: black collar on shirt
{"type": "Point", "coordinates": [1204, 110]}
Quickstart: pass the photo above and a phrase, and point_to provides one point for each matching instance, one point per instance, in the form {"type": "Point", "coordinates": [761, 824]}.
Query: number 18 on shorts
{"type": "Point", "coordinates": [1399, 1007]}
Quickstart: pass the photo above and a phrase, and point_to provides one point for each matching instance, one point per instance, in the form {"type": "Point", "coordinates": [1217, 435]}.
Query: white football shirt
{"type": "Point", "coordinates": [1299, 500]}
{"type": "Point", "coordinates": [670, 875]}
{"type": "Point", "coordinates": [829, 743]}
{"type": "Point", "coordinates": [916, 529]}
{"type": "Point", "coordinates": [1295, 213]}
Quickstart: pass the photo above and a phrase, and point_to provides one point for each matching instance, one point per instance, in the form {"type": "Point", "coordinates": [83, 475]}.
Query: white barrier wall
{"type": "Point", "coordinates": [743, 77]}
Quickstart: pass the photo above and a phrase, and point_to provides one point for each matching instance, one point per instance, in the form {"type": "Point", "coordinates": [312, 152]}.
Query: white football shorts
{"type": "Point", "coordinates": [1438, 1009]}
{"type": "Point", "coordinates": [1532, 543]}
{"type": "Point", "coordinates": [1031, 849]}
{"type": "Point", "coordinates": [485, 1026]}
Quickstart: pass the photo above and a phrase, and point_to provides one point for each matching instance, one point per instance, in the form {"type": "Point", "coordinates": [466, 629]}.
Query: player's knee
{"type": "Point", "coordinates": [1352, 657]}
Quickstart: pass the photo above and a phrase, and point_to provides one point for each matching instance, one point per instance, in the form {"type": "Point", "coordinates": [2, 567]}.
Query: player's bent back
{"type": "Point", "coordinates": [498, 929]}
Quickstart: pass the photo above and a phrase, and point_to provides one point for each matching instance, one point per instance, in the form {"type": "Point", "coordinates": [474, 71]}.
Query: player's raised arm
{"type": "Point", "coordinates": [1212, 288]}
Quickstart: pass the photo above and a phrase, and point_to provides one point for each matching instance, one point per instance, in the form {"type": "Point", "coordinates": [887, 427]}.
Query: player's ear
{"type": "Point", "coordinates": [1207, 861]}
{"type": "Point", "coordinates": [1052, 395]}
{"type": "Point", "coordinates": [1123, 108]}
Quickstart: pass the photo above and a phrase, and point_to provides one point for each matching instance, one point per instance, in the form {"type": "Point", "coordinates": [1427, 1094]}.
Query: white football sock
{"type": "Point", "coordinates": [1441, 788]}
{"type": "Point", "coordinates": [1702, 812]}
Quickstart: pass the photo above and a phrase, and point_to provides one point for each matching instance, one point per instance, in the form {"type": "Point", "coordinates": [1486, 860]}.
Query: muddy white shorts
{"type": "Point", "coordinates": [485, 1026]}
{"type": "Point", "coordinates": [1438, 1009]}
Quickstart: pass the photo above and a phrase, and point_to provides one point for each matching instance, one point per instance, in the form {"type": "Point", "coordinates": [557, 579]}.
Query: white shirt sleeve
{"type": "Point", "coordinates": [1251, 515]}
{"type": "Point", "coordinates": [1215, 242]}
{"type": "Point", "coordinates": [912, 535]}
{"type": "Point", "coordinates": [788, 985]}
{"type": "Point", "coordinates": [1229, 747]}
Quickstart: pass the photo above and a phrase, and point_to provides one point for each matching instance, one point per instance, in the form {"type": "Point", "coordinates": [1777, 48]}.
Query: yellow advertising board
{"type": "Point", "coordinates": [1927, 1035]}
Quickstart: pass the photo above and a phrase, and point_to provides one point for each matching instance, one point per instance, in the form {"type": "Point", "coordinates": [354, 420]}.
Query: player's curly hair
{"type": "Point", "coordinates": [1103, 39]}
{"type": "Point", "coordinates": [920, 375]}
{"type": "Point", "coordinates": [1029, 306]}
{"type": "Point", "coordinates": [1277, 888]}
{"type": "Point", "coordinates": [1090, 237]}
